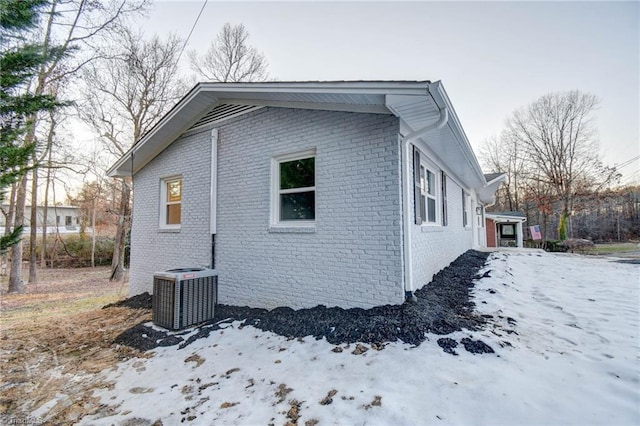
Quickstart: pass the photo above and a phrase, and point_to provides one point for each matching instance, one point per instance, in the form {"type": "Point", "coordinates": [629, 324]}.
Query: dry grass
{"type": "Point", "coordinates": [55, 338]}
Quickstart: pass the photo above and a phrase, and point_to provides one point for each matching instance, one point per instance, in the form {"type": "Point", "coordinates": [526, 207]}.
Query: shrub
{"type": "Point", "coordinates": [577, 244]}
{"type": "Point", "coordinates": [554, 246]}
{"type": "Point", "coordinates": [71, 251]}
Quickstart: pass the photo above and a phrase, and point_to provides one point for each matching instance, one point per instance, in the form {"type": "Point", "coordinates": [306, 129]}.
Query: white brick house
{"type": "Point", "coordinates": [347, 194]}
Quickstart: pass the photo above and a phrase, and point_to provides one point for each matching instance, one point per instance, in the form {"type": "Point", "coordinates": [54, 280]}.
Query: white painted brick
{"type": "Point", "coordinates": [353, 258]}
{"type": "Point", "coordinates": [432, 251]}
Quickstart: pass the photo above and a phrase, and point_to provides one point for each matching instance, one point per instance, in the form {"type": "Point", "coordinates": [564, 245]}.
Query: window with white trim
{"type": "Point", "coordinates": [294, 189]}
{"type": "Point", "coordinates": [171, 202]}
{"type": "Point", "coordinates": [445, 214]}
{"type": "Point", "coordinates": [465, 209]}
{"type": "Point", "coordinates": [430, 195]}
{"type": "Point", "coordinates": [430, 192]}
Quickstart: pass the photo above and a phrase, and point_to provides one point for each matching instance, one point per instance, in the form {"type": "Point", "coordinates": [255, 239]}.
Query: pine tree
{"type": "Point", "coordinates": [19, 61]}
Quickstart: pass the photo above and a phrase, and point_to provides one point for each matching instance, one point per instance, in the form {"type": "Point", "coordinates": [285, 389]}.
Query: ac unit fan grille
{"type": "Point", "coordinates": [181, 303]}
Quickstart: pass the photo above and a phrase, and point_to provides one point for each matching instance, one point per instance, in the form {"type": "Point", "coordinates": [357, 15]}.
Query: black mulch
{"type": "Point", "coordinates": [443, 306]}
{"type": "Point", "coordinates": [139, 301]}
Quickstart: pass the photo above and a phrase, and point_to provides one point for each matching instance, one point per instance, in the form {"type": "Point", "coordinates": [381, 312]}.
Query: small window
{"type": "Point", "coordinates": [171, 203]}
{"type": "Point", "coordinates": [294, 189]}
{"type": "Point", "coordinates": [68, 221]}
{"type": "Point", "coordinates": [508, 230]}
{"type": "Point", "coordinates": [427, 195]}
{"type": "Point", "coordinates": [431, 197]}
{"type": "Point", "coordinates": [465, 209]}
{"type": "Point", "coordinates": [443, 182]}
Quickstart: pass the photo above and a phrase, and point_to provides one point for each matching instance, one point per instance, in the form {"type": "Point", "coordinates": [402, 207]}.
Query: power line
{"type": "Point", "coordinates": [191, 32]}
{"type": "Point", "coordinates": [628, 162]}
{"type": "Point", "coordinates": [632, 177]}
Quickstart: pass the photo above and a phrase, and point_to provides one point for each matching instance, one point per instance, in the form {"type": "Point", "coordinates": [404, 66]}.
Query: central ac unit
{"type": "Point", "coordinates": [184, 297]}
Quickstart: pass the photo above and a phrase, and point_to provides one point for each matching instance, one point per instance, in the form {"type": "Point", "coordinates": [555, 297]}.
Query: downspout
{"type": "Point", "coordinates": [213, 206]}
{"type": "Point", "coordinates": [409, 286]}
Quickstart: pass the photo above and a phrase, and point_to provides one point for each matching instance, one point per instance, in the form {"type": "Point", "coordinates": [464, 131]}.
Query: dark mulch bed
{"type": "Point", "coordinates": [139, 301]}
{"type": "Point", "coordinates": [443, 306]}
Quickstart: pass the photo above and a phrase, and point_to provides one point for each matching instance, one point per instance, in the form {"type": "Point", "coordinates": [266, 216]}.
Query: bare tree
{"type": "Point", "coordinates": [502, 154]}
{"type": "Point", "coordinates": [68, 27]}
{"type": "Point", "coordinates": [125, 97]}
{"type": "Point", "coordinates": [230, 58]}
{"type": "Point", "coordinates": [557, 136]}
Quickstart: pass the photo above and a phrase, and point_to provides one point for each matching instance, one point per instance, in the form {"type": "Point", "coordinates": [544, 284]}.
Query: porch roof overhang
{"type": "Point", "coordinates": [505, 218]}
{"type": "Point", "coordinates": [417, 103]}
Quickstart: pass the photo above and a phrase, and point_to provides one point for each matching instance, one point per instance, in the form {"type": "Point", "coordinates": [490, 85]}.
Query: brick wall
{"type": "Point", "coordinates": [352, 259]}
{"type": "Point", "coordinates": [155, 250]}
{"type": "Point", "coordinates": [435, 247]}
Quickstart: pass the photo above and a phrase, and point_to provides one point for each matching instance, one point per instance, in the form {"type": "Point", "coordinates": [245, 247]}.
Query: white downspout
{"type": "Point", "coordinates": [213, 206]}
{"type": "Point", "coordinates": [407, 181]}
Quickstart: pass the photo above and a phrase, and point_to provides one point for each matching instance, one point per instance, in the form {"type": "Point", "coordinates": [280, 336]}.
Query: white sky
{"type": "Point", "coordinates": [492, 57]}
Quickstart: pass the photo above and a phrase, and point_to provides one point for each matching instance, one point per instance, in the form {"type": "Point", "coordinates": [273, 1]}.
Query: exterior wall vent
{"type": "Point", "coordinates": [223, 112]}
{"type": "Point", "coordinates": [184, 297]}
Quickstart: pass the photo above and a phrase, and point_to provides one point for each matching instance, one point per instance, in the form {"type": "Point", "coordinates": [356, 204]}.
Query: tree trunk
{"type": "Point", "coordinates": [8, 223]}
{"type": "Point", "coordinates": [12, 202]}
{"type": "Point", "coordinates": [45, 214]}
{"type": "Point", "coordinates": [124, 219]}
{"type": "Point", "coordinates": [33, 255]}
{"type": "Point", "coordinates": [15, 276]}
{"type": "Point", "coordinates": [49, 153]}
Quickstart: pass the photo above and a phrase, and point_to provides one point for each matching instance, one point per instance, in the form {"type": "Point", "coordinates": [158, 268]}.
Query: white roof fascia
{"type": "Point", "coordinates": [119, 169]}
{"type": "Point", "coordinates": [205, 95]}
{"type": "Point", "coordinates": [370, 109]}
{"type": "Point", "coordinates": [501, 178]}
{"type": "Point", "coordinates": [502, 218]}
{"type": "Point", "coordinates": [347, 87]}
{"type": "Point", "coordinates": [488, 192]}
{"type": "Point", "coordinates": [442, 99]}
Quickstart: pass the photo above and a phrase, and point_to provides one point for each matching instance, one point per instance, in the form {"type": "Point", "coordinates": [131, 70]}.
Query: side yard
{"type": "Point", "coordinates": [55, 338]}
{"type": "Point", "coordinates": [564, 327]}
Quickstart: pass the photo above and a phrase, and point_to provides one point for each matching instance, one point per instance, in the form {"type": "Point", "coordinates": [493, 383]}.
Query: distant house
{"type": "Point", "coordinates": [505, 229]}
{"type": "Point", "coordinates": [349, 194]}
{"type": "Point", "coordinates": [60, 219]}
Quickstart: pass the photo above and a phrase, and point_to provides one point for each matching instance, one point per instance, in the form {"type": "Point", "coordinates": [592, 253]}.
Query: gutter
{"type": "Point", "coordinates": [442, 120]}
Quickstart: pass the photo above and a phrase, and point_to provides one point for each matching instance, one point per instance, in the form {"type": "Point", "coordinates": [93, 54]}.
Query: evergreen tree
{"type": "Point", "coordinates": [19, 61]}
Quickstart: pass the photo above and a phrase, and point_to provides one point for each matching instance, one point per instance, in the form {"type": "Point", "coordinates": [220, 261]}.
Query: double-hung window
{"type": "Point", "coordinates": [430, 196]}
{"type": "Point", "coordinates": [171, 203]}
{"type": "Point", "coordinates": [429, 191]}
{"type": "Point", "coordinates": [294, 189]}
{"type": "Point", "coordinates": [427, 195]}
{"type": "Point", "coordinates": [465, 209]}
{"type": "Point", "coordinates": [445, 214]}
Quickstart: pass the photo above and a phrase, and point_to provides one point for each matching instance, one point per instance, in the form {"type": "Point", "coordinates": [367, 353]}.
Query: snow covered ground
{"type": "Point", "coordinates": [565, 329]}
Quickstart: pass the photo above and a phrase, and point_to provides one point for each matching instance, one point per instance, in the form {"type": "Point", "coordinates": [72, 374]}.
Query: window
{"type": "Point", "coordinates": [444, 199]}
{"type": "Point", "coordinates": [465, 209]}
{"type": "Point", "coordinates": [430, 196]}
{"type": "Point", "coordinates": [508, 230]}
{"type": "Point", "coordinates": [171, 203]}
{"type": "Point", "coordinates": [68, 221]}
{"type": "Point", "coordinates": [427, 195]}
{"type": "Point", "coordinates": [430, 192]}
{"type": "Point", "coordinates": [294, 189]}
{"type": "Point", "coordinates": [57, 220]}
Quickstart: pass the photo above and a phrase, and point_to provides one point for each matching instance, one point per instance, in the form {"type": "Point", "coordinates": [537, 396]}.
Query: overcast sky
{"type": "Point", "coordinates": [492, 57]}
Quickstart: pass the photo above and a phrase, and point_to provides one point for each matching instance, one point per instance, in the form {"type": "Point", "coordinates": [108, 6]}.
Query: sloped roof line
{"type": "Point", "coordinates": [355, 96]}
